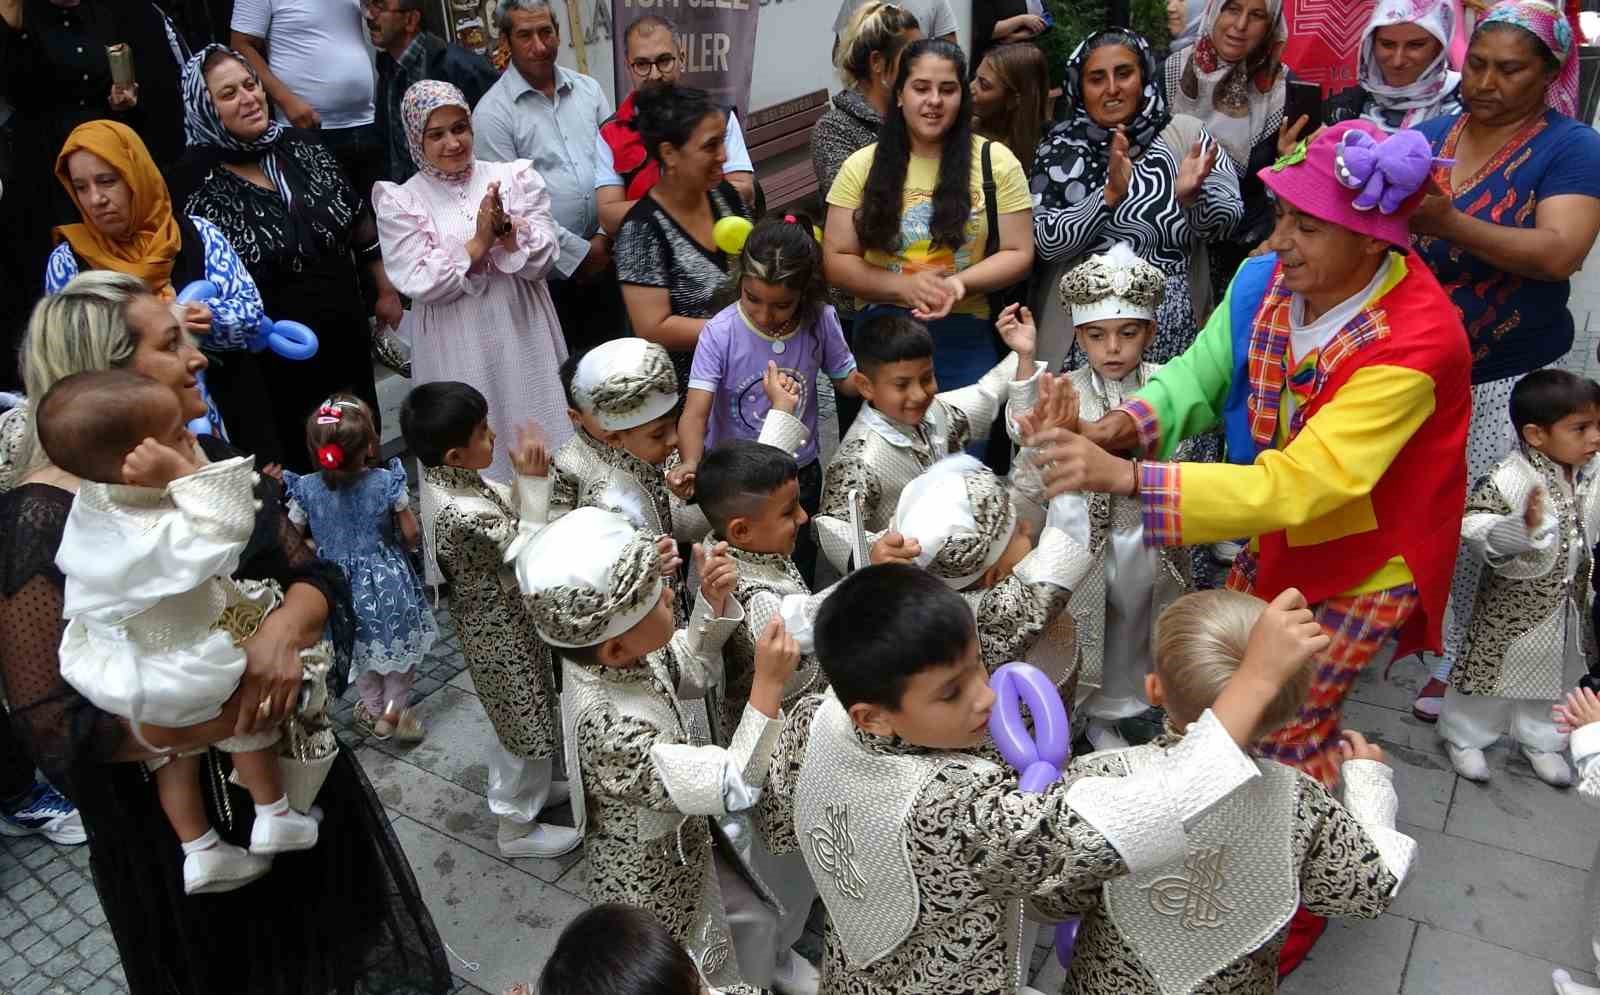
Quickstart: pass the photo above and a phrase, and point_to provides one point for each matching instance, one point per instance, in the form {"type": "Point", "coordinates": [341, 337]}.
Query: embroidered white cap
{"type": "Point", "coordinates": [1113, 284]}
{"type": "Point", "coordinates": [625, 383]}
{"type": "Point", "coordinates": [588, 576]}
{"type": "Point", "coordinates": [961, 515]}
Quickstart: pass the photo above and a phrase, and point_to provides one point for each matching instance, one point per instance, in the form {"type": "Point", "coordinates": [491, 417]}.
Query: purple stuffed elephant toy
{"type": "Point", "coordinates": [1386, 172]}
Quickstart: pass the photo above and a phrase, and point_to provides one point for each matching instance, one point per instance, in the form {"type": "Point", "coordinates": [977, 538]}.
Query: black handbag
{"type": "Point", "coordinates": [1017, 293]}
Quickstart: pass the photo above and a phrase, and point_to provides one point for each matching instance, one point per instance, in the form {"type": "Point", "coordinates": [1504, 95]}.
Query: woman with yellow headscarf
{"type": "Point", "coordinates": [129, 226]}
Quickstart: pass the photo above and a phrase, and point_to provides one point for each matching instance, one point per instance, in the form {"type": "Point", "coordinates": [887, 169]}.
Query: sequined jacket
{"type": "Point", "coordinates": [643, 792]}
{"type": "Point", "coordinates": [1106, 514]}
{"type": "Point", "coordinates": [878, 457]}
{"type": "Point", "coordinates": [1024, 616]}
{"type": "Point", "coordinates": [938, 910]}
{"type": "Point", "coordinates": [769, 586]}
{"type": "Point", "coordinates": [1528, 616]}
{"type": "Point", "coordinates": [473, 521]}
{"type": "Point", "coordinates": [1212, 920]}
{"type": "Point", "coordinates": [584, 469]}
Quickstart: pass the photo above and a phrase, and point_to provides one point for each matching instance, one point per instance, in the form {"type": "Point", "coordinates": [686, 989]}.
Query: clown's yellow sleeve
{"type": "Point", "coordinates": [1319, 483]}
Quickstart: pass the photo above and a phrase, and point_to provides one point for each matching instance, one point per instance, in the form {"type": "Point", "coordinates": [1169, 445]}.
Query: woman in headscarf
{"type": "Point", "coordinates": [1233, 81]}
{"type": "Point", "coordinates": [1519, 213]}
{"type": "Point", "coordinates": [282, 200]}
{"type": "Point", "coordinates": [342, 917]}
{"type": "Point", "coordinates": [1121, 168]}
{"type": "Point", "coordinates": [1404, 75]}
{"type": "Point", "coordinates": [129, 226]}
{"type": "Point", "coordinates": [470, 242]}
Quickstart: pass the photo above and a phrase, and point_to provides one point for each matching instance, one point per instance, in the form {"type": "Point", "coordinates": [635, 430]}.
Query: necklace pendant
{"type": "Point", "coordinates": [778, 346]}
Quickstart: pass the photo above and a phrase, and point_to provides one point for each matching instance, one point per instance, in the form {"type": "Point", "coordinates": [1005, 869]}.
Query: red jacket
{"type": "Point", "coordinates": [639, 171]}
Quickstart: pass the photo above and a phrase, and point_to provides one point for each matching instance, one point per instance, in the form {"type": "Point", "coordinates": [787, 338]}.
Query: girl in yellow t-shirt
{"type": "Point", "coordinates": [907, 220]}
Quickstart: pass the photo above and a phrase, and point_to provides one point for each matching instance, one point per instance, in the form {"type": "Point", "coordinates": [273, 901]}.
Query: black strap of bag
{"type": "Point", "coordinates": [1017, 293]}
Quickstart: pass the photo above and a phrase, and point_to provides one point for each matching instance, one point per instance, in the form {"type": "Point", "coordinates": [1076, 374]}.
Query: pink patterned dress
{"type": "Point", "coordinates": [492, 326]}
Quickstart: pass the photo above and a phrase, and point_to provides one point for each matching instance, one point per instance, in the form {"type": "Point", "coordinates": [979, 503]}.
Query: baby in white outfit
{"type": "Point", "coordinates": [154, 622]}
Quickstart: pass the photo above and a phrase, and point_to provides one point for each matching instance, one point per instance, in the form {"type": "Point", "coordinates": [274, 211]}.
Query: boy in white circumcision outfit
{"type": "Point", "coordinates": [154, 624]}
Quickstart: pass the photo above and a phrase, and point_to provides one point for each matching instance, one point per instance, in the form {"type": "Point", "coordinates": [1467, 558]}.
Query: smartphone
{"type": "Point", "coordinates": [1303, 99]}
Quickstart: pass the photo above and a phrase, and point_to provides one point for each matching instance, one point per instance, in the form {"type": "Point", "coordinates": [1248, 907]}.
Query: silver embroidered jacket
{"type": "Point", "coordinates": [584, 469]}
{"type": "Point", "coordinates": [1107, 514]}
{"type": "Point", "coordinates": [642, 791]}
{"type": "Point", "coordinates": [766, 582]}
{"type": "Point", "coordinates": [925, 859]}
{"type": "Point", "coordinates": [1024, 616]}
{"type": "Point", "coordinates": [1529, 616]}
{"type": "Point", "coordinates": [878, 457]}
{"type": "Point", "coordinates": [473, 521]}
{"type": "Point", "coordinates": [1213, 919]}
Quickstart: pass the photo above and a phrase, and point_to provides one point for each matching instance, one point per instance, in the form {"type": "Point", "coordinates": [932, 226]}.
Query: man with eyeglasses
{"type": "Point", "coordinates": [623, 171]}
{"type": "Point", "coordinates": [406, 55]}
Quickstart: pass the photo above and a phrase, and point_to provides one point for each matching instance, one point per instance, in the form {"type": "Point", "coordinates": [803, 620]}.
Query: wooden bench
{"type": "Point", "coordinates": [779, 139]}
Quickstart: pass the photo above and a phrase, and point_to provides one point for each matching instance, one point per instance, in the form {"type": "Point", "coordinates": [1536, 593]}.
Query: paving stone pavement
{"type": "Point", "coordinates": [1493, 905]}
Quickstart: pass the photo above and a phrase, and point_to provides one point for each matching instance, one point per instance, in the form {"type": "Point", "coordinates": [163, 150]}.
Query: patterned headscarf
{"type": "Point", "coordinates": [1238, 102]}
{"type": "Point", "coordinates": [1557, 30]}
{"type": "Point", "coordinates": [421, 100]}
{"type": "Point", "coordinates": [1430, 95]}
{"type": "Point", "coordinates": [203, 127]}
{"type": "Point", "coordinates": [1072, 158]}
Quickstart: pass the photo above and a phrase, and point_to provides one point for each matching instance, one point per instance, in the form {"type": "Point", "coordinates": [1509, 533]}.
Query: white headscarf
{"type": "Point", "coordinates": [1433, 94]}
{"type": "Point", "coordinates": [1238, 102]}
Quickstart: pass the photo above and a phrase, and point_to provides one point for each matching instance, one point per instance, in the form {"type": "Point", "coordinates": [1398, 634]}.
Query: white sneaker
{"type": "Point", "coordinates": [538, 839]}
{"type": "Point", "coordinates": [283, 833]}
{"type": "Point", "coordinates": [795, 975]}
{"type": "Point", "coordinates": [1564, 984]}
{"type": "Point", "coordinates": [1551, 767]}
{"type": "Point", "coordinates": [1468, 762]}
{"type": "Point", "coordinates": [1104, 736]}
{"type": "Point", "coordinates": [222, 867]}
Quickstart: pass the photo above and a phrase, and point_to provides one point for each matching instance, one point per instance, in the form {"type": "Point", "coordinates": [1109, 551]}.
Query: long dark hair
{"type": "Point", "coordinates": [878, 219]}
{"type": "Point", "coordinates": [669, 114]}
{"type": "Point", "coordinates": [1022, 70]}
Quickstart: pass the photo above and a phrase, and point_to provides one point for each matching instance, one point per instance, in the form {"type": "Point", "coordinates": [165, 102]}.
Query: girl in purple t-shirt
{"type": "Point", "coordinates": [780, 315]}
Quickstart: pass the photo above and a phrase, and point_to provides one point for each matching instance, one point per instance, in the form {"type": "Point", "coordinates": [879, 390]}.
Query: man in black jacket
{"type": "Point", "coordinates": [406, 55]}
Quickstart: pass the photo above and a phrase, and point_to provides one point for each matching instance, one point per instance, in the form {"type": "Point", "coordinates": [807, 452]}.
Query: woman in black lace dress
{"type": "Point", "coordinates": [340, 919]}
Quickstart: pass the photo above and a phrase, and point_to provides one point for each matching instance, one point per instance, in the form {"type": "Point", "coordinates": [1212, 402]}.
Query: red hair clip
{"type": "Point", "coordinates": [791, 219]}
{"type": "Point", "coordinates": [329, 415]}
{"type": "Point", "coordinates": [330, 456]}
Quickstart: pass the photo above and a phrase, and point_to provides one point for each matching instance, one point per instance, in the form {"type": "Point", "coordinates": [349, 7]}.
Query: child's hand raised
{"type": "Point", "coordinates": [1056, 407]}
{"type": "Point", "coordinates": [669, 561]}
{"type": "Point", "coordinates": [1354, 746]}
{"type": "Point", "coordinates": [1581, 708]}
{"type": "Point", "coordinates": [1284, 639]}
{"type": "Point", "coordinates": [680, 480]}
{"type": "Point", "coordinates": [892, 547]}
{"type": "Point", "coordinates": [783, 391]}
{"type": "Point", "coordinates": [718, 575]}
{"type": "Point", "coordinates": [1017, 331]}
{"type": "Point", "coordinates": [1533, 511]}
{"type": "Point", "coordinates": [530, 457]}
{"type": "Point", "coordinates": [777, 654]}
{"type": "Point", "coordinates": [155, 464]}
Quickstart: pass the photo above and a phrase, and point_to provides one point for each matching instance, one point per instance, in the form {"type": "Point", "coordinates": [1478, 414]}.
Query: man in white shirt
{"type": "Point", "coordinates": [313, 58]}
{"type": "Point", "coordinates": [550, 114]}
{"type": "Point", "coordinates": [652, 56]}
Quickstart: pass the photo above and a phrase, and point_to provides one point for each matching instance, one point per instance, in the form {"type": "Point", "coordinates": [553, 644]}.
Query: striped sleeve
{"type": "Point", "coordinates": [1333, 464]}
{"type": "Point", "coordinates": [1185, 397]}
